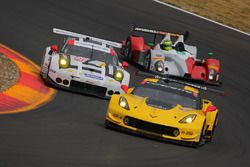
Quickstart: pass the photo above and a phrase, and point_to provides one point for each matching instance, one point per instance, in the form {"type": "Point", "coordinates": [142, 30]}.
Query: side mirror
{"type": "Point", "coordinates": [130, 90]}
{"type": "Point", "coordinates": [210, 109]}
{"type": "Point", "coordinates": [124, 64]}
{"type": "Point", "coordinates": [125, 88]}
{"type": "Point", "coordinates": [54, 48]}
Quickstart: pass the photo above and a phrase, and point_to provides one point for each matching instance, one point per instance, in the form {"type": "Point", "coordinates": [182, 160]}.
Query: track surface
{"type": "Point", "coordinates": [70, 132]}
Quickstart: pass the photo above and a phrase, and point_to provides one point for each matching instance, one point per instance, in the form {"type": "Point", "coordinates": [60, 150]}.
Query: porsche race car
{"type": "Point", "coordinates": [166, 110]}
{"type": "Point", "coordinates": [85, 64]}
{"type": "Point", "coordinates": [180, 61]}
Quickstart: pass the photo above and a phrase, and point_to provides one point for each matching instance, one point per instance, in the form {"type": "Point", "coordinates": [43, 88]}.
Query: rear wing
{"type": "Point", "coordinates": [156, 32]}
{"type": "Point", "coordinates": [86, 37]}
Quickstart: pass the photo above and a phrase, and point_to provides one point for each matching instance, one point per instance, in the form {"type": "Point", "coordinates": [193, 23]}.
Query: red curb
{"type": "Point", "coordinates": [7, 102]}
{"type": "Point", "coordinates": [11, 55]}
{"type": "Point", "coordinates": [33, 82]}
{"type": "Point", "coordinates": [29, 92]}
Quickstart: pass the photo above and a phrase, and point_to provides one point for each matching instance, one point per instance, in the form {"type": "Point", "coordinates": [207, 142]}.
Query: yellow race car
{"type": "Point", "coordinates": [164, 110]}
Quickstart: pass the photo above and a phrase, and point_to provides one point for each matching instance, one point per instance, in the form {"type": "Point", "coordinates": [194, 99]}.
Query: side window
{"type": "Point", "coordinates": [115, 60]}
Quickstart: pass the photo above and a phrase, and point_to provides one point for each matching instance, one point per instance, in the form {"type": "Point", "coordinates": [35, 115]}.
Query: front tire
{"type": "Point", "coordinates": [147, 61]}
{"type": "Point", "coordinates": [211, 133]}
{"type": "Point", "coordinates": [201, 141]}
{"type": "Point", "coordinates": [107, 124]}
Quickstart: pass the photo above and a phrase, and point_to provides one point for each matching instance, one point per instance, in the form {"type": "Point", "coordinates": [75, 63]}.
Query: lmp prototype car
{"type": "Point", "coordinates": [166, 110]}
{"type": "Point", "coordinates": [85, 64]}
{"type": "Point", "coordinates": [178, 60]}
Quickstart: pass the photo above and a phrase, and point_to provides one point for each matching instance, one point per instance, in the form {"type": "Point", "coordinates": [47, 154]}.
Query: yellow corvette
{"type": "Point", "coordinates": [164, 110]}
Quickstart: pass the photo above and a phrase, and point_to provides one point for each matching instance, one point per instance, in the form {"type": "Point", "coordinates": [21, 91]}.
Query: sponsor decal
{"type": "Point", "coordinates": [70, 70]}
{"type": "Point", "coordinates": [195, 94]}
{"type": "Point", "coordinates": [80, 59]}
{"type": "Point", "coordinates": [170, 87]}
{"type": "Point", "coordinates": [213, 67]}
{"type": "Point", "coordinates": [51, 70]}
{"type": "Point", "coordinates": [94, 76]}
{"type": "Point", "coordinates": [110, 80]}
{"type": "Point", "coordinates": [150, 31]}
{"type": "Point", "coordinates": [102, 65]}
{"type": "Point", "coordinates": [159, 58]}
{"type": "Point", "coordinates": [182, 53]}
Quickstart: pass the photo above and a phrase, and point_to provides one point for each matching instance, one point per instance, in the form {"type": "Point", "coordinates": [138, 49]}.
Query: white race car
{"type": "Point", "coordinates": [85, 64]}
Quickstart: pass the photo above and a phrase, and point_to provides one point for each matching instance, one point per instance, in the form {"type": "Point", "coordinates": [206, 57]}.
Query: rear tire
{"type": "Point", "coordinates": [127, 50]}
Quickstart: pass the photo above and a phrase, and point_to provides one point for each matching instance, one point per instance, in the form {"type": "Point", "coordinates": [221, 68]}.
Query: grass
{"type": "Point", "coordinates": [235, 13]}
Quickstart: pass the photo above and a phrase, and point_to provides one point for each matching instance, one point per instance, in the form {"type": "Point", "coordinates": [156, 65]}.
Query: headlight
{"type": "Point", "coordinates": [118, 75]}
{"type": "Point", "coordinates": [159, 66]}
{"type": "Point", "coordinates": [212, 74]}
{"type": "Point", "coordinates": [123, 103]}
{"type": "Point", "coordinates": [63, 61]}
{"type": "Point", "coordinates": [188, 119]}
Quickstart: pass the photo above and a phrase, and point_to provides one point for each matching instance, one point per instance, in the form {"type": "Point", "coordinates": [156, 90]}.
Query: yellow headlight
{"type": "Point", "coordinates": [118, 75]}
{"type": "Point", "coordinates": [63, 61]}
{"type": "Point", "coordinates": [123, 103]}
{"type": "Point", "coordinates": [188, 119]}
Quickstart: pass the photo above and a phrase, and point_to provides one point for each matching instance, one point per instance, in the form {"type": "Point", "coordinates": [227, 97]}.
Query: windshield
{"type": "Point", "coordinates": [167, 98]}
{"type": "Point", "coordinates": [91, 54]}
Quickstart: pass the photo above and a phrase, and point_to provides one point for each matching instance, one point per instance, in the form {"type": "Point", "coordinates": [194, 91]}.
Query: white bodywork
{"type": "Point", "coordinates": [174, 61]}
{"type": "Point", "coordinates": [95, 74]}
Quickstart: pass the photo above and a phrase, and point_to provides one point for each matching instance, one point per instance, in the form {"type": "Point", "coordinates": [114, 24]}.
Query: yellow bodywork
{"type": "Point", "coordinates": [138, 109]}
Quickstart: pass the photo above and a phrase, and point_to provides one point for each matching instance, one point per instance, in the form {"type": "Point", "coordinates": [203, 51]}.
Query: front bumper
{"type": "Point", "coordinates": [81, 87]}
{"type": "Point", "coordinates": [155, 131]}
{"type": "Point", "coordinates": [110, 124]}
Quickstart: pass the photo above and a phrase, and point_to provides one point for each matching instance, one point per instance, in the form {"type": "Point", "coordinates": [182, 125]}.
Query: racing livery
{"type": "Point", "coordinates": [85, 64]}
{"type": "Point", "coordinates": [166, 110]}
{"type": "Point", "coordinates": [180, 61]}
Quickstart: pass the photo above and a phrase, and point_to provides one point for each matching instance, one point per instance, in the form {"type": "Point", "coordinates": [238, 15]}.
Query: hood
{"type": "Point", "coordinates": [140, 110]}
{"type": "Point", "coordinates": [92, 69]}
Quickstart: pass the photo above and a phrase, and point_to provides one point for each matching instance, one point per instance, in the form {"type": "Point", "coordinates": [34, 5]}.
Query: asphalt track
{"type": "Point", "coordinates": [69, 131]}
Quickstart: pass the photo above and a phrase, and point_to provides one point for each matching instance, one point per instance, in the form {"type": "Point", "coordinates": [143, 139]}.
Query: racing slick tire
{"type": "Point", "coordinates": [211, 133]}
{"type": "Point", "coordinates": [107, 124]}
{"type": "Point", "coordinates": [127, 50]}
{"type": "Point", "coordinates": [45, 77]}
{"type": "Point", "coordinates": [201, 141]}
{"type": "Point", "coordinates": [147, 61]}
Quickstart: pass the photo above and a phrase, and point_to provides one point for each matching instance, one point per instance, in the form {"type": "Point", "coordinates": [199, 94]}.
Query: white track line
{"type": "Point", "coordinates": [174, 7]}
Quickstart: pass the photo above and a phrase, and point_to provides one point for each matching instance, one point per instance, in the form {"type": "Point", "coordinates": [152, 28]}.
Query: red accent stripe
{"type": "Point", "coordinates": [8, 103]}
{"type": "Point", "coordinates": [33, 82]}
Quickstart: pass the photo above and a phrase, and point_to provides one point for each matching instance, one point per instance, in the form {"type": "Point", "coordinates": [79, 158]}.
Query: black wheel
{"type": "Point", "coordinates": [211, 133]}
{"type": "Point", "coordinates": [127, 50]}
{"type": "Point", "coordinates": [46, 77]}
{"type": "Point", "coordinates": [147, 61]}
{"type": "Point", "coordinates": [202, 139]}
{"type": "Point", "coordinates": [107, 124]}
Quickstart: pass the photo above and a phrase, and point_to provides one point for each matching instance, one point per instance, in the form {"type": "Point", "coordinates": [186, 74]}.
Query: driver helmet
{"type": "Point", "coordinates": [167, 45]}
